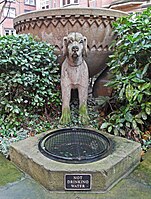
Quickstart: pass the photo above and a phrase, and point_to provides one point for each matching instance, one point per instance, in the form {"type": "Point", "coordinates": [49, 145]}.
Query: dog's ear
{"type": "Point", "coordinates": [65, 43]}
{"type": "Point", "coordinates": [85, 46]}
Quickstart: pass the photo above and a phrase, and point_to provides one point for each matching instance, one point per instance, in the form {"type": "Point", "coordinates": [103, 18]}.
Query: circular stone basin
{"type": "Point", "coordinates": [75, 145]}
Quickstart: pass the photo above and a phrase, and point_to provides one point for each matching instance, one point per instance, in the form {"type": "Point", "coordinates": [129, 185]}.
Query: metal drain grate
{"type": "Point", "coordinates": [75, 145]}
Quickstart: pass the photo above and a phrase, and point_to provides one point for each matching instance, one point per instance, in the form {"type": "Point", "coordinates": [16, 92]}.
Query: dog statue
{"type": "Point", "coordinates": [74, 75]}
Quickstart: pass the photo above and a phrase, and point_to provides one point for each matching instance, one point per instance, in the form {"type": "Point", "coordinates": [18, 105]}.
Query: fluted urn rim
{"type": "Point", "coordinates": [67, 12]}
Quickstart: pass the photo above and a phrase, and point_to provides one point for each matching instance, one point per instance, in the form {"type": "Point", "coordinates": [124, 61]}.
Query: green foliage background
{"type": "Point", "coordinates": [29, 82]}
{"type": "Point", "coordinates": [130, 68]}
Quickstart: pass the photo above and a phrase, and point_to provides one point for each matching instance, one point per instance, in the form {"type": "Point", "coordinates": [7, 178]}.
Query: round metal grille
{"type": "Point", "coordinates": [75, 145]}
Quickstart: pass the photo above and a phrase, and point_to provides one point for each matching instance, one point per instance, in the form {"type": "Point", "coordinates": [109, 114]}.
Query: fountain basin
{"type": "Point", "coordinates": [75, 145]}
{"type": "Point", "coordinates": [52, 25]}
{"type": "Point", "coordinates": [103, 174]}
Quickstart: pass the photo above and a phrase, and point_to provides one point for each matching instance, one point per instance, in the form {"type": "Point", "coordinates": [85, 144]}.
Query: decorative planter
{"type": "Point", "coordinates": [52, 25]}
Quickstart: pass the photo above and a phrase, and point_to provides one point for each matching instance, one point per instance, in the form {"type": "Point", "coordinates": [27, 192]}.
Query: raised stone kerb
{"type": "Point", "coordinates": [105, 173]}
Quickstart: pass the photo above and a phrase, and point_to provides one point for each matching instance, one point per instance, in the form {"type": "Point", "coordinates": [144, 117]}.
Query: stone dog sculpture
{"type": "Point", "coordinates": [74, 75]}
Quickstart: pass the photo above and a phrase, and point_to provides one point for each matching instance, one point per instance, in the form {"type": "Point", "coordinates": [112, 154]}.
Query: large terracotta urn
{"type": "Point", "coordinates": [52, 25]}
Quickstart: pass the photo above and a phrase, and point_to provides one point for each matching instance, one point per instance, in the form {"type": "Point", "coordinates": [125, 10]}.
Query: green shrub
{"type": "Point", "coordinates": [130, 68]}
{"type": "Point", "coordinates": [29, 81]}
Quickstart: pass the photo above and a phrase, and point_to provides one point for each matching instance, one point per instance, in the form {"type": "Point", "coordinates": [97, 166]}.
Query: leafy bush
{"type": "Point", "coordinates": [29, 81]}
{"type": "Point", "coordinates": [130, 68]}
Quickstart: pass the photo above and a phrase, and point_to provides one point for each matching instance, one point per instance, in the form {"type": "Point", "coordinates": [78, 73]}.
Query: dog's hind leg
{"type": "Point", "coordinates": [83, 113]}
{"type": "Point", "coordinates": [66, 95]}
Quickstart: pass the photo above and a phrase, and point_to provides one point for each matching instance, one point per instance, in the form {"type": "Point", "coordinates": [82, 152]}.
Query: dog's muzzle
{"type": "Point", "coordinates": [75, 49]}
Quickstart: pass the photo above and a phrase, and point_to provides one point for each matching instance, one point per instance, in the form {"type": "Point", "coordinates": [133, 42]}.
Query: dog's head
{"type": "Point", "coordinates": [75, 45]}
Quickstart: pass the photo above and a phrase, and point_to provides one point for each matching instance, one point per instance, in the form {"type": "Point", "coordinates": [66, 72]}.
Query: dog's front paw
{"type": "Point", "coordinates": [66, 116]}
{"type": "Point", "coordinates": [83, 115]}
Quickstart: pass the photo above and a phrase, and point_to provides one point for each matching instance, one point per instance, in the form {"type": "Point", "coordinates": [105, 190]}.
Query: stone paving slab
{"type": "Point", "coordinates": [135, 186]}
{"type": "Point", "coordinates": [27, 188]}
{"type": "Point", "coordinates": [24, 189]}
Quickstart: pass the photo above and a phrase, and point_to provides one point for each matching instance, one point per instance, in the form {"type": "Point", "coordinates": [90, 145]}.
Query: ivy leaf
{"type": "Point", "coordinates": [144, 116]}
{"type": "Point", "coordinates": [134, 124]}
{"type": "Point", "coordinates": [137, 80]}
{"type": "Point", "coordinates": [109, 129]}
{"type": "Point", "coordinates": [128, 124]}
{"type": "Point", "coordinates": [129, 92]}
{"type": "Point", "coordinates": [145, 70]}
{"type": "Point", "coordinates": [128, 117]}
{"type": "Point", "coordinates": [139, 121]}
{"type": "Point", "coordinates": [145, 86]}
{"type": "Point", "coordinates": [105, 125]}
{"type": "Point", "coordinates": [122, 132]}
{"type": "Point", "coordinates": [116, 132]}
{"type": "Point", "coordinates": [121, 94]}
{"type": "Point", "coordinates": [140, 97]}
{"type": "Point", "coordinates": [148, 110]}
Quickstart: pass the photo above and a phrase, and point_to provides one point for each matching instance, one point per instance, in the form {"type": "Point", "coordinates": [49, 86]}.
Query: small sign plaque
{"type": "Point", "coordinates": [78, 181]}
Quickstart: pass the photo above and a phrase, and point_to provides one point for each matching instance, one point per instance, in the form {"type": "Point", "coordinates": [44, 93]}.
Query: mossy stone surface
{"type": "Point", "coordinates": [8, 172]}
{"type": "Point", "coordinates": [131, 187]}
{"type": "Point", "coordinates": [143, 172]}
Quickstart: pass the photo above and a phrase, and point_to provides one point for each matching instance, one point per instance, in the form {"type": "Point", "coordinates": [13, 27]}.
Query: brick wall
{"type": "Point", "coordinates": [18, 7]}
